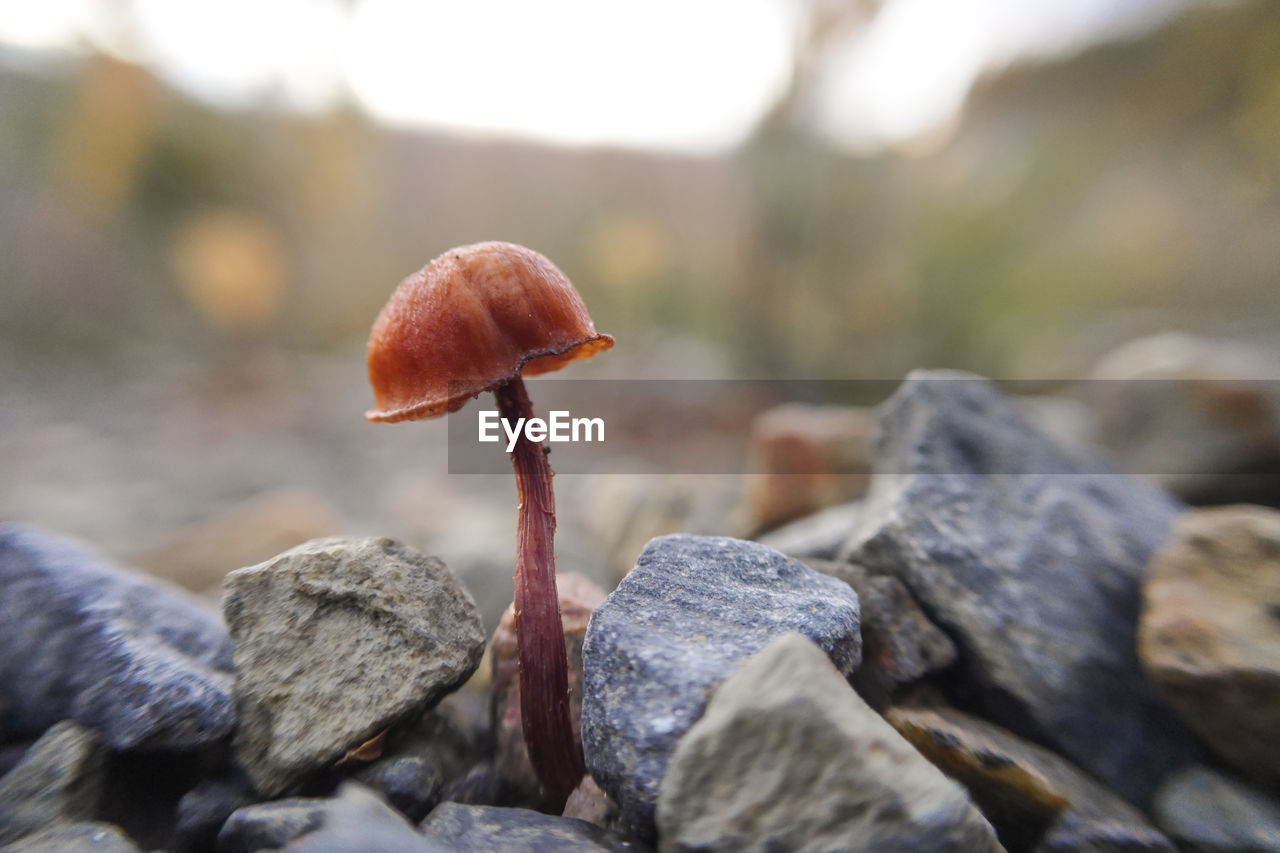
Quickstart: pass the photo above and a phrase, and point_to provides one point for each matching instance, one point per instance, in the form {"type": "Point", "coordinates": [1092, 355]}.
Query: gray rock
{"type": "Point", "coordinates": [58, 781]}
{"type": "Point", "coordinates": [410, 783]}
{"type": "Point", "coordinates": [358, 820]}
{"type": "Point", "coordinates": [204, 810]}
{"type": "Point", "coordinates": [123, 654]}
{"type": "Point", "coordinates": [1209, 636]}
{"type": "Point", "coordinates": [336, 640]}
{"type": "Point", "coordinates": [900, 645]}
{"type": "Point", "coordinates": [75, 838]}
{"type": "Point", "coordinates": [819, 536]}
{"type": "Point", "coordinates": [1029, 794]}
{"type": "Point", "coordinates": [1207, 812]}
{"type": "Point", "coordinates": [480, 829]}
{"type": "Point", "coordinates": [788, 757]}
{"type": "Point", "coordinates": [686, 617]}
{"type": "Point", "coordinates": [1031, 558]}
{"type": "Point", "coordinates": [270, 826]}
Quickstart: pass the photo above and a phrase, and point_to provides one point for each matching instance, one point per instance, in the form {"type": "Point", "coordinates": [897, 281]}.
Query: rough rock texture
{"type": "Point", "coordinates": [899, 644]}
{"type": "Point", "coordinates": [1207, 812]}
{"type": "Point", "coordinates": [269, 826]}
{"type": "Point", "coordinates": [788, 757]}
{"type": "Point", "coordinates": [358, 820]}
{"type": "Point", "coordinates": [481, 829]}
{"type": "Point", "coordinates": [578, 598]}
{"type": "Point", "coordinates": [1028, 793]}
{"type": "Point", "coordinates": [336, 640]}
{"type": "Point", "coordinates": [818, 536]}
{"type": "Point", "coordinates": [58, 781]}
{"type": "Point", "coordinates": [686, 617]}
{"type": "Point", "coordinates": [1031, 559]}
{"type": "Point", "coordinates": [1210, 632]}
{"type": "Point", "coordinates": [120, 653]}
{"type": "Point", "coordinates": [75, 837]}
{"type": "Point", "coordinates": [588, 802]}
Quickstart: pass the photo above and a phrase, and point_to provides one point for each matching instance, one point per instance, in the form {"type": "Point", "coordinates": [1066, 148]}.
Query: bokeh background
{"type": "Point", "coordinates": [206, 204]}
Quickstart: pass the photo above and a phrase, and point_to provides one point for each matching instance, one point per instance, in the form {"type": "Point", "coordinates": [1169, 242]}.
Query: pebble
{"type": "Point", "coordinates": [683, 620]}
{"type": "Point", "coordinates": [335, 641]}
{"type": "Point", "coordinates": [59, 780]}
{"type": "Point", "coordinates": [482, 829]}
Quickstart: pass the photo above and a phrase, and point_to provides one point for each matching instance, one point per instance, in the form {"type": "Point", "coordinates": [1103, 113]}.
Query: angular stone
{"type": "Point", "coordinates": [1208, 812]}
{"type": "Point", "coordinates": [589, 803]}
{"type": "Point", "coordinates": [818, 536]}
{"type": "Point", "coordinates": [1027, 792]}
{"type": "Point", "coordinates": [270, 826]}
{"type": "Point", "coordinates": [481, 829]}
{"type": "Point", "coordinates": [1210, 632]}
{"type": "Point", "coordinates": [410, 783]}
{"type": "Point", "coordinates": [59, 780]}
{"type": "Point", "coordinates": [123, 654]}
{"type": "Point", "coordinates": [358, 820]}
{"type": "Point", "coordinates": [64, 837]}
{"type": "Point", "coordinates": [579, 597]}
{"type": "Point", "coordinates": [686, 617]}
{"type": "Point", "coordinates": [336, 640]}
{"type": "Point", "coordinates": [1031, 558]}
{"type": "Point", "coordinates": [788, 757]}
{"type": "Point", "coordinates": [899, 644]}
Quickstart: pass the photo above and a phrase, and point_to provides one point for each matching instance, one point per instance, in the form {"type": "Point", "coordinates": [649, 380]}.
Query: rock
{"type": "Point", "coordinates": [58, 781]}
{"type": "Point", "coordinates": [1210, 632]}
{"type": "Point", "coordinates": [270, 826]}
{"type": "Point", "coordinates": [578, 598]}
{"type": "Point", "coordinates": [480, 829]}
{"type": "Point", "coordinates": [335, 641]}
{"type": "Point", "coordinates": [358, 820]}
{"type": "Point", "coordinates": [1199, 417]}
{"type": "Point", "coordinates": [788, 757]}
{"type": "Point", "coordinates": [1027, 792]}
{"type": "Point", "coordinates": [589, 803]}
{"type": "Point", "coordinates": [64, 837]}
{"type": "Point", "coordinates": [687, 616]}
{"type": "Point", "coordinates": [479, 786]}
{"type": "Point", "coordinates": [900, 645]}
{"type": "Point", "coordinates": [818, 536]}
{"type": "Point", "coordinates": [204, 810]}
{"type": "Point", "coordinates": [1207, 812]}
{"type": "Point", "coordinates": [804, 458]}
{"type": "Point", "coordinates": [119, 653]}
{"type": "Point", "coordinates": [410, 783]}
{"type": "Point", "coordinates": [1030, 557]}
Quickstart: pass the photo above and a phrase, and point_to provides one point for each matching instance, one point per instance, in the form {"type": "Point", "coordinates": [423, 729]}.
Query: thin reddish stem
{"type": "Point", "coordinates": [544, 681]}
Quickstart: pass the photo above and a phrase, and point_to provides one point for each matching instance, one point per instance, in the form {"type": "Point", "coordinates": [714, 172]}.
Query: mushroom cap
{"type": "Point", "coordinates": [470, 321]}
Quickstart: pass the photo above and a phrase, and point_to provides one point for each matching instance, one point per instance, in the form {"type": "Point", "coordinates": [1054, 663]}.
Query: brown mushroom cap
{"type": "Point", "coordinates": [470, 321]}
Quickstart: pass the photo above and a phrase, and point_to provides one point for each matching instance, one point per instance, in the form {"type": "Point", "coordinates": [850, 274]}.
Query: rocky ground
{"type": "Point", "coordinates": [1002, 644]}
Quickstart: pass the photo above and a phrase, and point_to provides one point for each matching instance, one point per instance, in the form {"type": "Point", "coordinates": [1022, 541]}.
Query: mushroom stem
{"type": "Point", "coordinates": [544, 681]}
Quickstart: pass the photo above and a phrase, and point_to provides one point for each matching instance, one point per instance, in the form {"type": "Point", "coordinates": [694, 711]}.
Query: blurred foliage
{"type": "Point", "coordinates": [1136, 183]}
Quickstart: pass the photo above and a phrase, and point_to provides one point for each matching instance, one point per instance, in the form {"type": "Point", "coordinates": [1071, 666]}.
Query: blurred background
{"type": "Point", "coordinates": [206, 204]}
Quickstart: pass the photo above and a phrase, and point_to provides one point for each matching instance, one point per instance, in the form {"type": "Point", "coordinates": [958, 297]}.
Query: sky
{"type": "Point", "coordinates": [692, 76]}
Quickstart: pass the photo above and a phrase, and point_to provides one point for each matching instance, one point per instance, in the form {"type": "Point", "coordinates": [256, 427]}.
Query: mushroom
{"type": "Point", "coordinates": [473, 320]}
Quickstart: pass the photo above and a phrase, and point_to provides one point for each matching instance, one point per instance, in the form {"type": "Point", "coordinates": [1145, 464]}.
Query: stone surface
{"type": "Point", "coordinates": [588, 802]}
{"type": "Point", "coordinates": [336, 640]}
{"type": "Point", "coordinates": [1210, 632]}
{"type": "Point", "coordinates": [480, 829]}
{"type": "Point", "coordinates": [578, 598]}
{"type": "Point", "coordinates": [410, 783]}
{"type": "Point", "coordinates": [818, 536]}
{"type": "Point", "coordinates": [59, 780]}
{"type": "Point", "coordinates": [75, 838]}
{"type": "Point", "coordinates": [788, 757]}
{"type": "Point", "coordinates": [686, 617]}
{"type": "Point", "coordinates": [900, 645]}
{"type": "Point", "coordinates": [1029, 794]}
{"type": "Point", "coordinates": [121, 653]}
{"type": "Point", "coordinates": [804, 458]}
{"type": "Point", "coordinates": [270, 826]}
{"type": "Point", "coordinates": [1208, 812]}
{"type": "Point", "coordinates": [358, 820]}
{"type": "Point", "coordinates": [1031, 558]}
{"type": "Point", "coordinates": [204, 810]}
